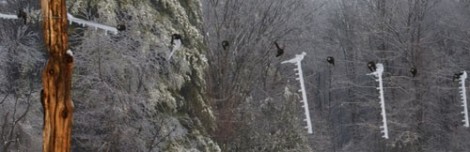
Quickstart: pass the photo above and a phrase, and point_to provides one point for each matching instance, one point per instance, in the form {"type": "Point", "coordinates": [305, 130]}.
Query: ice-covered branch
{"type": "Point", "coordinates": [82, 22]}
{"type": "Point", "coordinates": [463, 94]}
{"type": "Point", "coordinates": [8, 16]}
{"type": "Point", "coordinates": [174, 47]}
{"type": "Point", "coordinates": [378, 73]}
{"type": "Point", "coordinates": [175, 44]}
{"type": "Point", "coordinates": [298, 60]}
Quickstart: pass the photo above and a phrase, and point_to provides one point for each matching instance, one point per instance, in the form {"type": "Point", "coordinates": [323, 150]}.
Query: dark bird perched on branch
{"type": "Point", "coordinates": [225, 44]}
{"type": "Point", "coordinates": [371, 66]}
{"type": "Point", "coordinates": [22, 15]}
{"type": "Point", "coordinates": [330, 60]}
{"type": "Point", "coordinates": [413, 71]}
{"type": "Point", "coordinates": [280, 50]}
{"type": "Point", "coordinates": [175, 44]}
{"type": "Point", "coordinates": [174, 38]}
{"type": "Point", "coordinates": [121, 27]}
{"type": "Point", "coordinates": [457, 76]}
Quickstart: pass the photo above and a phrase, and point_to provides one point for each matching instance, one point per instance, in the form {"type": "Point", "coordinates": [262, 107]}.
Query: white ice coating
{"type": "Point", "coordinates": [378, 73]}
{"type": "Point", "coordinates": [82, 22]}
{"type": "Point", "coordinates": [463, 94]}
{"type": "Point", "coordinates": [297, 60]}
{"type": "Point", "coordinates": [7, 16]}
{"type": "Point", "coordinates": [175, 46]}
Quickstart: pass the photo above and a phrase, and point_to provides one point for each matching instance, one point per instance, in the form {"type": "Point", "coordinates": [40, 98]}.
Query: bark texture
{"type": "Point", "coordinates": [56, 79]}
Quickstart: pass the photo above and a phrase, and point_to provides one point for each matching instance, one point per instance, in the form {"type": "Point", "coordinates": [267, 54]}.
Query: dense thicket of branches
{"type": "Point", "coordinates": [423, 111]}
{"type": "Point", "coordinates": [20, 63]}
{"type": "Point", "coordinates": [121, 82]}
{"type": "Point", "coordinates": [246, 81]}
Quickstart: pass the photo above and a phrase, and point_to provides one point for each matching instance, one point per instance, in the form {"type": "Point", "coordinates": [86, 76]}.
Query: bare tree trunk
{"type": "Point", "coordinates": [56, 79]}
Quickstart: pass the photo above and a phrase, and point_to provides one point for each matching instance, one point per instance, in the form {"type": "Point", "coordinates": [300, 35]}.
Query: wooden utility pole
{"type": "Point", "coordinates": [56, 96]}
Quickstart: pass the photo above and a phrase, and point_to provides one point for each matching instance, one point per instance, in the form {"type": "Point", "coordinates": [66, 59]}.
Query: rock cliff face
{"type": "Point", "coordinates": [128, 95]}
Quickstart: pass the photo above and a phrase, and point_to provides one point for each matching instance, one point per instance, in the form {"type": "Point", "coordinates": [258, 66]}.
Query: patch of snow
{"type": "Point", "coordinates": [69, 52]}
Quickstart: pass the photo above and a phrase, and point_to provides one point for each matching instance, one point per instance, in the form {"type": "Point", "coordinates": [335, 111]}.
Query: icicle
{"type": "Point", "coordinates": [298, 60]}
{"type": "Point", "coordinates": [378, 73]}
{"type": "Point", "coordinates": [91, 24]}
{"type": "Point", "coordinates": [7, 16]}
{"type": "Point", "coordinates": [463, 94]}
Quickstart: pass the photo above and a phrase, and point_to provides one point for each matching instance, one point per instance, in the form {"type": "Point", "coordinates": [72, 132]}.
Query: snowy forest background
{"type": "Point", "coordinates": [253, 96]}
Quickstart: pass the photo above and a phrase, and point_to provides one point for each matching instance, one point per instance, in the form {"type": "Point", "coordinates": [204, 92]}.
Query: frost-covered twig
{"type": "Point", "coordinates": [378, 73]}
{"type": "Point", "coordinates": [82, 22]}
{"type": "Point", "coordinates": [298, 60]}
